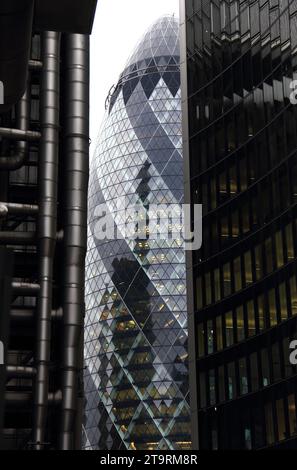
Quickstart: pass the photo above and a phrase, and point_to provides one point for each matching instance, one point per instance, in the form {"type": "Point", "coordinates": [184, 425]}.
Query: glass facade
{"type": "Point", "coordinates": [241, 60]}
{"type": "Point", "coordinates": [136, 378]}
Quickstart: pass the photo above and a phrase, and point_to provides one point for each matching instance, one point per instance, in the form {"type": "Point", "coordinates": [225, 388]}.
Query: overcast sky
{"type": "Point", "coordinates": [119, 24]}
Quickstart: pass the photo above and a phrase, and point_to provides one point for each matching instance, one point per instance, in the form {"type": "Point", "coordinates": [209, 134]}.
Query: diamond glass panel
{"type": "Point", "coordinates": [136, 378]}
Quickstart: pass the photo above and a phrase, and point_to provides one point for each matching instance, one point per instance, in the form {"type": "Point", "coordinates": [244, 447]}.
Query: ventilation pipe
{"type": "Point", "coordinates": [76, 172]}
{"type": "Point", "coordinates": [35, 65]}
{"type": "Point", "coordinates": [27, 315]}
{"type": "Point", "coordinates": [25, 289]}
{"type": "Point", "coordinates": [47, 226]}
{"type": "Point", "coordinates": [22, 315]}
{"type": "Point", "coordinates": [18, 134]}
{"type": "Point", "coordinates": [24, 372]}
{"type": "Point", "coordinates": [18, 209]}
{"type": "Point", "coordinates": [15, 400]}
{"type": "Point", "coordinates": [17, 238]}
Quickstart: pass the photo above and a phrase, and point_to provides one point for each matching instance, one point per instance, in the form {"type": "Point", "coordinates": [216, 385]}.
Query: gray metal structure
{"type": "Point", "coordinates": [44, 159]}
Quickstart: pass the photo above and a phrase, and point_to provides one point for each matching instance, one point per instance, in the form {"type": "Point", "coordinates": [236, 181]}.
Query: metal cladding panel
{"type": "Point", "coordinates": [15, 35]}
{"type": "Point", "coordinates": [66, 16]}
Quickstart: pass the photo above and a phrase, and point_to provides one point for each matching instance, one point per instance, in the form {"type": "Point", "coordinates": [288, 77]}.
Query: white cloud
{"type": "Point", "coordinates": [119, 24]}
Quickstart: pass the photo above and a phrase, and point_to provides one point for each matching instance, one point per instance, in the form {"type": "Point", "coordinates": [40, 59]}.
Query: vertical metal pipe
{"type": "Point", "coordinates": [76, 154]}
{"type": "Point", "coordinates": [47, 225]}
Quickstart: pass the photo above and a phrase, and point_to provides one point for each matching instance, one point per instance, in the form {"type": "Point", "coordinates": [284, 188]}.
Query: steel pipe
{"type": "Point", "coordinates": [55, 398]}
{"type": "Point", "coordinates": [15, 399]}
{"type": "Point", "coordinates": [22, 238]}
{"type": "Point", "coordinates": [25, 289]}
{"type": "Point", "coordinates": [26, 315]}
{"type": "Point", "coordinates": [3, 211]}
{"type": "Point", "coordinates": [18, 134]}
{"type": "Point", "coordinates": [35, 64]}
{"type": "Point", "coordinates": [57, 314]}
{"type": "Point", "coordinates": [16, 161]}
{"type": "Point", "coordinates": [20, 372]}
{"type": "Point", "coordinates": [76, 173]}
{"type": "Point", "coordinates": [22, 315]}
{"type": "Point", "coordinates": [19, 209]}
{"type": "Point", "coordinates": [47, 225]}
{"type": "Point", "coordinates": [17, 238]}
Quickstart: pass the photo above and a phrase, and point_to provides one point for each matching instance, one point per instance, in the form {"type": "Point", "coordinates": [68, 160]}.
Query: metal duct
{"type": "Point", "coordinates": [67, 16]}
{"type": "Point", "coordinates": [76, 173]}
{"type": "Point", "coordinates": [27, 315]}
{"type": "Point", "coordinates": [47, 225]}
{"type": "Point", "coordinates": [20, 372]}
{"type": "Point", "coordinates": [16, 161]}
{"type": "Point", "coordinates": [16, 20]}
{"type": "Point", "coordinates": [22, 315]}
{"type": "Point", "coordinates": [28, 289]}
{"type": "Point", "coordinates": [17, 238]}
{"type": "Point", "coordinates": [17, 134]}
{"type": "Point", "coordinates": [17, 399]}
{"type": "Point", "coordinates": [19, 209]}
{"type": "Point", "coordinates": [35, 64]}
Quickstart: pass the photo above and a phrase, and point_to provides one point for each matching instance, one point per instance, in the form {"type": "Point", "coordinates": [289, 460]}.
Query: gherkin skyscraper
{"type": "Point", "coordinates": [136, 375]}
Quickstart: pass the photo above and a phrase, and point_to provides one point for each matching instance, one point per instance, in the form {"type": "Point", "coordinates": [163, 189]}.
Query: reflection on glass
{"type": "Point", "coordinates": [200, 341]}
{"type": "Point", "coordinates": [243, 376]}
{"type": "Point", "coordinates": [217, 285]}
{"type": "Point", "coordinates": [281, 420]}
{"type": "Point", "coordinates": [248, 268]}
{"type": "Point", "coordinates": [240, 323]}
{"type": "Point", "coordinates": [269, 424]}
{"type": "Point", "coordinates": [293, 295]}
{"type": "Point", "coordinates": [221, 375]}
{"type": "Point", "coordinates": [251, 318]}
{"type": "Point", "coordinates": [283, 301]}
{"type": "Point", "coordinates": [212, 387]}
{"type": "Point", "coordinates": [227, 279]}
{"type": "Point", "coordinates": [279, 249]}
{"type": "Point", "coordinates": [292, 414]}
{"type": "Point", "coordinates": [199, 293]}
{"type": "Point", "coordinates": [254, 371]}
{"type": "Point", "coordinates": [210, 337]}
{"type": "Point", "coordinates": [272, 307]}
{"type": "Point", "coordinates": [231, 381]}
{"type": "Point", "coordinates": [202, 394]}
{"type": "Point", "coordinates": [290, 243]}
{"type": "Point", "coordinates": [219, 330]}
{"type": "Point", "coordinates": [268, 255]}
{"type": "Point", "coordinates": [265, 368]}
{"type": "Point", "coordinates": [229, 329]}
{"type": "Point", "coordinates": [237, 274]}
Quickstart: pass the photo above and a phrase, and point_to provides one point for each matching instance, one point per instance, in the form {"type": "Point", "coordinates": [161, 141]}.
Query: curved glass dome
{"type": "Point", "coordinates": [161, 40]}
{"type": "Point", "coordinates": [136, 379]}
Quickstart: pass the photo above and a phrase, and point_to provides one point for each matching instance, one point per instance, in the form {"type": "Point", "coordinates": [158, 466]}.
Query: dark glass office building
{"type": "Point", "coordinates": [44, 153]}
{"type": "Point", "coordinates": [239, 59]}
{"type": "Point", "coordinates": [136, 378]}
